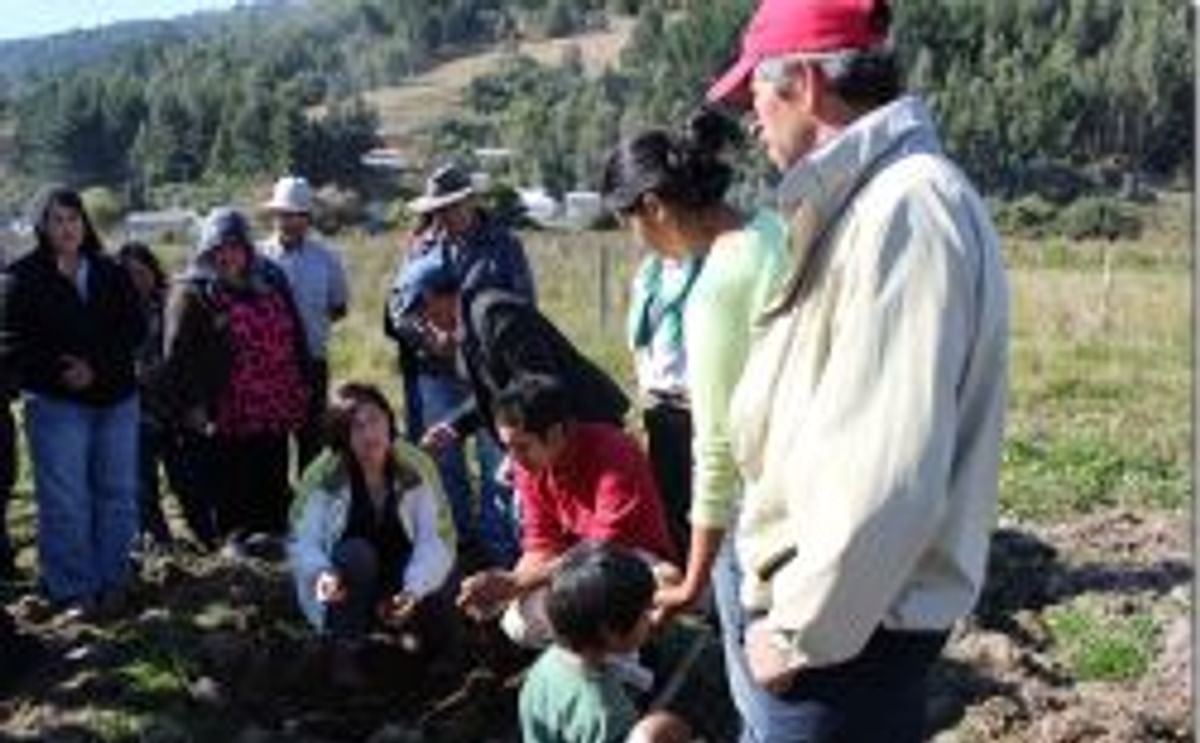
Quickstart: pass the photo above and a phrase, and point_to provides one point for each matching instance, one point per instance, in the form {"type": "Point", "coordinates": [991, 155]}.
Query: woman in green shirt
{"type": "Point", "coordinates": [670, 190]}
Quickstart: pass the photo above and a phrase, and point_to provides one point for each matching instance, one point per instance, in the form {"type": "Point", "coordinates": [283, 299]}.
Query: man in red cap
{"type": "Point", "coordinates": [867, 423]}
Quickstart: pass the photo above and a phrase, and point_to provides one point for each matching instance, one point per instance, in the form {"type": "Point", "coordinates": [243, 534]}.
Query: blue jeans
{"type": "Point", "coordinates": [496, 527]}
{"type": "Point", "coordinates": [8, 479]}
{"type": "Point", "coordinates": [85, 473]}
{"type": "Point", "coordinates": [876, 697]}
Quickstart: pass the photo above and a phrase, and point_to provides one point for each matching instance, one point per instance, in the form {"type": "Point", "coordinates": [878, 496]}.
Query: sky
{"type": "Point", "coordinates": [24, 18]}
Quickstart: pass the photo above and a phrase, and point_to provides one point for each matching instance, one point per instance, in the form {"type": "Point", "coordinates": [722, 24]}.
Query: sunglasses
{"type": "Point", "coordinates": [776, 70]}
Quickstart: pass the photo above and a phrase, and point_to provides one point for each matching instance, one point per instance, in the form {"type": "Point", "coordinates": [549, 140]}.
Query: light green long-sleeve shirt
{"type": "Point", "coordinates": [739, 277]}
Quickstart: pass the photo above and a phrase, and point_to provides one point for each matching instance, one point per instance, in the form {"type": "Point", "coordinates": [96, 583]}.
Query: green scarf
{"type": "Point", "coordinates": [655, 310]}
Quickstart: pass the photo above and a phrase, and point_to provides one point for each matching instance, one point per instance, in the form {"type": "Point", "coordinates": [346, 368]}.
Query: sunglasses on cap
{"type": "Point", "coordinates": [775, 70]}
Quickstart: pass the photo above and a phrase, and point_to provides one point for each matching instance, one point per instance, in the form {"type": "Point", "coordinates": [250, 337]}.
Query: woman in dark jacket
{"type": "Point", "coordinates": [151, 283]}
{"type": "Point", "coordinates": [233, 375]}
{"type": "Point", "coordinates": [73, 323]}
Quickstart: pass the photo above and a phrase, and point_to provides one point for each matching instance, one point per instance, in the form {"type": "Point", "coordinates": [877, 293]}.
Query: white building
{"type": "Point", "coordinates": [583, 207]}
{"type": "Point", "coordinates": [385, 159]}
{"type": "Point", "coordinates": [539, 205]}
{"type": "Point", "coordinates": [178, 224]}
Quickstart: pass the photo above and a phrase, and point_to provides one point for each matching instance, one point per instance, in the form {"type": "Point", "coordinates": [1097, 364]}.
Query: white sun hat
{"type": "Point", "coordinates": [291, 194]}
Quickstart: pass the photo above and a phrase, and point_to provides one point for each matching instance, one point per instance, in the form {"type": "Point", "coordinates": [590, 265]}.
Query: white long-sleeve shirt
{"type": "Point", "coordinates": [868, 419]}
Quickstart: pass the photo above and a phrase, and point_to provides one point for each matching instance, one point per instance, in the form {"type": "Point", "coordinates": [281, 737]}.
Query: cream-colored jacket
{"type": "Point", "coordinates": [868, 419]}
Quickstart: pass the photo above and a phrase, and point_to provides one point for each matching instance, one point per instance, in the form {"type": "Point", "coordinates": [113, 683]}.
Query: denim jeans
{"type": "Point", "coordinates": [495, 528]}
{"type": "Point", "coordinates": [8, 479]}
{"type": "Point", "coordinates": [357, 562]}
{"type": "Point", "coordinates": [85, 473]}
{"type": "Point", "coordinates": [876, 697]}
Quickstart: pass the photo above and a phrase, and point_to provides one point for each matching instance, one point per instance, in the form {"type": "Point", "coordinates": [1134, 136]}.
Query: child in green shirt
{"type": "Point", "coordinates": [598, 604]}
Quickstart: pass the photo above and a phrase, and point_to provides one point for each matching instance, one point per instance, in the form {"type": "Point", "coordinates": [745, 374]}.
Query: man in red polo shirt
{"type": "Point", "coordinates": [576, 481]}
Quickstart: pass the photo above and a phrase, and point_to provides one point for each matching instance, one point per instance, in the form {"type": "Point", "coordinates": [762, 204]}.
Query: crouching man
{"type": "Point", "coordinates": [575, 482]}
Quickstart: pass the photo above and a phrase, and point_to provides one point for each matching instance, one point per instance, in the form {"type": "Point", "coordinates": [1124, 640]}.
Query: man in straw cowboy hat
{"type": "Point", "coordinates": [479, 253]}
{"type": "Point", "coordinates": [868, 420]}
{"type": "Point", "coordinates": [477, 245]}
{"type": "Point", "coordinates": [318, 282]}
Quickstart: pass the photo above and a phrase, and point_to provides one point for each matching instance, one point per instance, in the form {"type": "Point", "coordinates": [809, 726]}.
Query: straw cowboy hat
{"type": "Point", "coordinates": [292, 194]}
{"type": "Point", "coordinates": [447, 185]}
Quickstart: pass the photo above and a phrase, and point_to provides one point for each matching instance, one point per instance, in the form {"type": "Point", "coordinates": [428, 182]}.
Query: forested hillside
{"type": "Point", "coordinates": [1027, 91]}
{"type": "Point", "coordinates": [1034, 95]}
{"type": "Point", "coordinates": [202, 106]}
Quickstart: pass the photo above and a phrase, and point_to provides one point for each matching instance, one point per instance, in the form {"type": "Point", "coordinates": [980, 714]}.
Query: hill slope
{"type": "Point", "coordinates": [425, 99]}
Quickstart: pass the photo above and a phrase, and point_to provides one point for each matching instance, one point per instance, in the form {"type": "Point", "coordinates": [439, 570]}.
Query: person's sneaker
{"type": "Point", "coordinates": [72, 611]}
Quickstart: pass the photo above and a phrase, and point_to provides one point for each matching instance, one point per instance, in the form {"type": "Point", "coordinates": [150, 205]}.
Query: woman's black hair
{"type": "Point", "coordinates": [597, 588]}
{"type": "Point", "coordinates": [63, 196]}
{"type": "Point", "coordinates": [685, 170]}
{"type": "Point", "coordinates": [339, 419]}
{"type": "Point", "coordinates": [339, 414]}
{"type": "Point", "coordinates": [141, 253]}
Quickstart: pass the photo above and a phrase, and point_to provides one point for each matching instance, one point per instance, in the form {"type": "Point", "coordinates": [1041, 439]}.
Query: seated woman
{"type": "Point", "coordinates": [372, 540]}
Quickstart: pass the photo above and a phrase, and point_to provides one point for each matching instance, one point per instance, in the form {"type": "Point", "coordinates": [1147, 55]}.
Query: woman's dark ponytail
{"type": "Point", "coordinates": [705, 141]}
{"type": "Point", "coordinates": [685, 169]}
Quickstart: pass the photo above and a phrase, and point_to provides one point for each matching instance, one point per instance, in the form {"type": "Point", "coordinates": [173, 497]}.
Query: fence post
{"type": "Point", "coordinates": [605, 270]}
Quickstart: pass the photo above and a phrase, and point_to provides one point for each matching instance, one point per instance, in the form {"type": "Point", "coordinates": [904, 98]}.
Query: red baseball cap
{"type": "Point", "coordinates": [782, 27]}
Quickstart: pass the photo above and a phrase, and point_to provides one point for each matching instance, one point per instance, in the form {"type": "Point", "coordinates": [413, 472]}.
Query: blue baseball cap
{"type": "Point", "coordinates": [426, 272]}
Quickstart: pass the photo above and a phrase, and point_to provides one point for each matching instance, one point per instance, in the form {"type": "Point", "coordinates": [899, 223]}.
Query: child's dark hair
{"type": "Point", "coordinates": [532, 403]}
{"type": "Point", "coordinates": [685, 170]}
{"type": "Point", "coordinates": [597, 588]}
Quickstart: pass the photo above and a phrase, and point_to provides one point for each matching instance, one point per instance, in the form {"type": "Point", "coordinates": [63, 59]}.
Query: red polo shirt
{"type": "Point", "coordinates": [601, 488]}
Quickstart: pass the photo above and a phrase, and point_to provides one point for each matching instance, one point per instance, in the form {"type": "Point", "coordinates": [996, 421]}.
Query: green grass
{"type": "Point", "coordinates": [1100, 375]}
{"type": "Point", "coordinates": [153, 676]}
{"type": "Point", "coordinates": [1099, 646]}
{"type": "Point", "coordinates": [1072, 473]}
